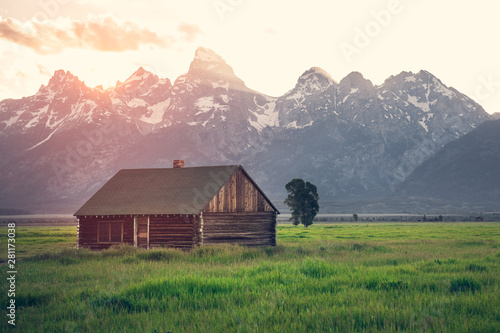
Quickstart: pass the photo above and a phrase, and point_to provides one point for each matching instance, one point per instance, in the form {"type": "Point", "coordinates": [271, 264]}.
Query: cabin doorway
{"type": "Point", "coordinates": [142, 231]}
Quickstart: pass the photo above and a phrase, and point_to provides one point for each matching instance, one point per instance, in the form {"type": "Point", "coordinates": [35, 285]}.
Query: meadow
{"type": "Point", "coordinates": [381, 277]}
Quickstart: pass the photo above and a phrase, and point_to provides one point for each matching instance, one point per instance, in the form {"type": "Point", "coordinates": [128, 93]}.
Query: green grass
{"type": "Point", "coordinates": [30, 241]}
{"type": "Point", "coordinates": [441, 277]}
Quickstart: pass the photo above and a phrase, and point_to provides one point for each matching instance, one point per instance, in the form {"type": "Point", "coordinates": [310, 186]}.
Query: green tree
{"type": "Point", "coordinates": [303, 201]}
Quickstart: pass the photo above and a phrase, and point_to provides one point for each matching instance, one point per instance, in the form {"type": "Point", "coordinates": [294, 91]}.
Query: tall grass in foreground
{"type": "Point", "coordinates": [327, 278]}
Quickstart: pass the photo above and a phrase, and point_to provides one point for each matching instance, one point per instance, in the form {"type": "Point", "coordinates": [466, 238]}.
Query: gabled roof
{"type": "Point", "coordinates": [159, 191]}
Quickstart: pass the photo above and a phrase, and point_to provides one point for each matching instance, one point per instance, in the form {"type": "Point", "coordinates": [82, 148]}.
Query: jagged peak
{"type": "Point", "coordinates": [434, 79]}
{"type": "Point", "coordinates": [424, 72]}
{"type": "Point", "coordinates": [312, 81]}
{"type": "Point", "coordinates": [61, 72]}
{"type": "Point", "coordinates": [408, 77]}
{"type": "Point", "coordinates": [206, 60]}
{"type": "Point", "coordinates": [318, 71]}
{"type": "Point", "coordinates": [140, 71]}
{"type": "Point", "coordinates": [356, 80]}
{"type": "Point", "coordinates": [404, 76]}
{"type": "Point", "coordinates": [140, 74]}
{"type": "Point", "coordinates": [209, 66]}
{"type": "Point", "coordinates": [354, 76]}
{"type": "Point", "coordinates": [61, 76]}
{"type": "Point", "coordinates": [203, 54]}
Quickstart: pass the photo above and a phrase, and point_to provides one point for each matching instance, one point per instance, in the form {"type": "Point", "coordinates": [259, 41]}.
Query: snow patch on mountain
{"type": "Point", "coordinates": [440, 88]}
{"type": "Point", "coordinates": [295, 126]}
{"type": "Point", "coordinates": [116, 101]}
{"type": "Point", "coordinates": [224, 85]}
{"type": "Point", "coordinates": [268, 118]}
{"type": "Point", "coordinates": [44, 140]}
{"type": "Point", "coordinates": [424, 125]}
{"type": "Point", "coordinates": [36, 117]}
{"type": "Point", "coordinates": [12, 120]}
{"type": "Point", "coordinates": [137, 102]}
{"type": "Point", "coordinates": [424, 106]}
{"type": "Point", "coordinates": [204, 104]}
{"type": "Point", "coordinates": [52, 122]}
{"type": "Point", "coordinates": [410, 78]}
{"type": "Point", "coordinates": [156, 112]}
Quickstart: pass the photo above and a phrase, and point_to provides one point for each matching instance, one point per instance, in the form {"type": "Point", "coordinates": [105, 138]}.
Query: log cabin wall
{"type": "Point", "coordinates": [252, 228]}
{"type": "Point", "coordinates": [89, 229]}
{"type": "Point", "coordinates": [239, 214]}
{"type": "Point", "coordinates": [239, 194]}
{"type": "Point", "coordinates": [179, 231]}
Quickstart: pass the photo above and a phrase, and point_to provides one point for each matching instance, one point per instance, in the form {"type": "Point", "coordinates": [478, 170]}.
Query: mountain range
{"type": "Point", "coordinates": [353, 139]}
{"type": "Point", "coordinates": [467, 166]}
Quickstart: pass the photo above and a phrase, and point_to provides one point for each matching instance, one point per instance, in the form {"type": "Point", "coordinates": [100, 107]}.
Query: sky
{"type": "Point", "coordinates": [269, 44]}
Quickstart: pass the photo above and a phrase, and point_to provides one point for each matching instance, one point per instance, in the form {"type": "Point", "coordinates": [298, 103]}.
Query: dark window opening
{"type": "Point", "coordinates": [110, 232]}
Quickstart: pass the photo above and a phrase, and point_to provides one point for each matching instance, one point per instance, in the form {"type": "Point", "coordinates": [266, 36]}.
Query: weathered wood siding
{"type": "Point", "coordinates": [88, 231]}
{"type": "Point", "coordinates": [249, 228]}
{"type": "Point", "coordinates": [239, 194]}
{"type": "Point", "coordinates": [179, 231]}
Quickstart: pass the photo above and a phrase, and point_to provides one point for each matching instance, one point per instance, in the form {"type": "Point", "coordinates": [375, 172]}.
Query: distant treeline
{"type": "Point", "coordinates": [486, 217]}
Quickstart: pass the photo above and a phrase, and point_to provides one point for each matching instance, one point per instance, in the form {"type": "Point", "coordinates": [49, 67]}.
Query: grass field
{"type": "Point", "coordinates": [441, 277]}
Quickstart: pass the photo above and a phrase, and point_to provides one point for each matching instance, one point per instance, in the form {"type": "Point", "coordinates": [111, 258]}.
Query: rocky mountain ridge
{"type": "Point", "coordinates": [351, 138]}
{"type": "Point", "coordinates": [467, 169]}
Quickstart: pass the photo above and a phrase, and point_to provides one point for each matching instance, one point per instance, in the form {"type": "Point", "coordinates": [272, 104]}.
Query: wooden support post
{"type": "Point", "coordinates": [78, 235]}
{"type": "Point", "coordinates": [147, 245]}
{"type": "Point", "coordinates": [201, 228]}
{"type": "Point", "coordinates": [135, 231]}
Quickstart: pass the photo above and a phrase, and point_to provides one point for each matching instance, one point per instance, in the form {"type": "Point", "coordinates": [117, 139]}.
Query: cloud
{"type": "Point", "coordinates": [10, 31]}
{"type": "Point", "coordinates": [190, 31]}
{"type": "Point", "coordinates": [99, 33]}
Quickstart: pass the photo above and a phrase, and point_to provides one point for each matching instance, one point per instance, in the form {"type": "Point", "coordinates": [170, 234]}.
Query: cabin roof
{"type": "Point", "coordinates": [160, 191]}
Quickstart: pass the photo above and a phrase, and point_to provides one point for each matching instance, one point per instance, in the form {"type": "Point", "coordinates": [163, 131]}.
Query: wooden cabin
{"type": "Point", "coordinates": [178, 207]}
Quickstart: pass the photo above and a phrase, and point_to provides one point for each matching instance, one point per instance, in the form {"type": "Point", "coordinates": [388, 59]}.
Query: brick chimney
{"type": "Point", "coordinates": [178, 164]}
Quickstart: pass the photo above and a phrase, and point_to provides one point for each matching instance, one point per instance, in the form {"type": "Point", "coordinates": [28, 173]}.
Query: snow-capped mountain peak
{"type": "Point", "coordinates": [141, 90]}
{"type": "Point", "coordinates": [312, 81]}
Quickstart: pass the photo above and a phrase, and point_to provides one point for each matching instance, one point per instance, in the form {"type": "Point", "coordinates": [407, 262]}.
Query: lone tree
{"type": "Point", "coordinates": [303, 201]}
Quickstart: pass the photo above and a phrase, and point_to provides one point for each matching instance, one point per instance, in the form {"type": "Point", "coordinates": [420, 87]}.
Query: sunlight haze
{"type": "Point", "coordinates": [268, 44]}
